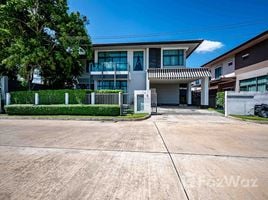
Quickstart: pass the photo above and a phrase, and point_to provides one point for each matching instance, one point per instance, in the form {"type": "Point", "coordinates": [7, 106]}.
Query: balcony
{"type": "Point", "coordinates": [109, 67]}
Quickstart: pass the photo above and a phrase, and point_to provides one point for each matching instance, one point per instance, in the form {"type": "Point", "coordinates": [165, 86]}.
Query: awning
{"type": "Point", "coordinates": [174, 74]}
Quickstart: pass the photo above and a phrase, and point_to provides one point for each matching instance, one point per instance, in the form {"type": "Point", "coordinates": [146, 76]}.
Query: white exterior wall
{"type": "Point", "coordinates": [226, 69]}
{"type": "Point", "coordinates": [252, 71]}
{"type": "Point", "coordinates": [243, 103]}
{"type": "Point", "coordinates": [137, 79]}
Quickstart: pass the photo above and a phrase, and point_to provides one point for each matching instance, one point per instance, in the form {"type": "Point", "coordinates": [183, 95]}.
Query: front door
{"type": "Point", "coordinates": [183, 96]}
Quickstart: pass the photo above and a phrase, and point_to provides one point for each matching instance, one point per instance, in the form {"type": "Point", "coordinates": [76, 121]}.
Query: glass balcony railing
{"type": "Point", "coordinates": [106, 67]}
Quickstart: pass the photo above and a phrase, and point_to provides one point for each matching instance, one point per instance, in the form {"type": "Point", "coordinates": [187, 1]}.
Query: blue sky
{"type": "Point", "coordinates": [226, 23]}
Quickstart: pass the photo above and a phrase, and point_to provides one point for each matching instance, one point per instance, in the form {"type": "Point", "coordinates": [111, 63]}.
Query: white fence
{"type": "Point", "coordinates": [242, 103]}
{"type": "Point", "coordinates": [92, 98]}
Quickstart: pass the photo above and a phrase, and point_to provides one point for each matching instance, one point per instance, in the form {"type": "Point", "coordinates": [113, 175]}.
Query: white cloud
{"type": "Point", "coordinates": [209, 46]}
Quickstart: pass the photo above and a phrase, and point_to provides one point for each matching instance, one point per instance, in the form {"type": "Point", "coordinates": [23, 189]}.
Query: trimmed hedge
{"type": "Point", "coordinates": [92, 110]}
{"type": "Point", "coordinates": [220, 100]}
{"type": "Point", "coordinates": [47, 97]}
{"type": "Point", "coordinates": [108, 91]}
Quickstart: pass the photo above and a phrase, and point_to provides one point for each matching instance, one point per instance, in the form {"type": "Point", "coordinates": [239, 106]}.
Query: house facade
{"type": "Point", "coordinates": [157, 66]}
{"type": "Point", "coordinates": [244, 68]}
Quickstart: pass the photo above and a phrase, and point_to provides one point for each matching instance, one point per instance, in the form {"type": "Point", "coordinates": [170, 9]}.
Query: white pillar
{"type": "Point", "coordinates": [225, 104]}
{"type": "Point", "coordinates": [93, 98]}
{"type": "Point", "coordinates": [8, 97]}
{"type": "Point", "coordinates": [147, 67]}
{"type": "Point", "coordinates": [66, 98]}
{"type": "Point", "coordinates": [189, 93]}
{"type": "Point", "coordinates": [120, 98]}
{"type": "Point", "coordinates": [204, 91]}
{"type": "Point", "coordinates": [36, 99]}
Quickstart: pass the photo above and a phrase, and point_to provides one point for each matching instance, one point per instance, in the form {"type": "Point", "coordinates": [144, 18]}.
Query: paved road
{"type": "Point", "coordinates": [166, 157]}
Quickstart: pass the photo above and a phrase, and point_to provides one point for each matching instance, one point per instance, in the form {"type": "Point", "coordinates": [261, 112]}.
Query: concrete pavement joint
{"type": "Point", "coordinates": [219, 155]}
{"type": "Point", "coordinates": [133, 151]}
{"type": "Point", "coordinates": [172, 161]}
{"type": "Point", "coordinates": [79, 149]}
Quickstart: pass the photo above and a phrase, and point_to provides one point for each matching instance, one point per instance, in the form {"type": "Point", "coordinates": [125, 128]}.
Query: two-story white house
{"type": "Point", "coordinates": [158, 66]}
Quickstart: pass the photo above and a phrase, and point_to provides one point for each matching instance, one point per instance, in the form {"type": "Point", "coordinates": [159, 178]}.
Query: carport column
{"type": "Point", "coordinates": [204, 91]}
{"type": "Point", "coordinates": [189, 94]}
{"type": "Point", "coordinates": [147, 67]}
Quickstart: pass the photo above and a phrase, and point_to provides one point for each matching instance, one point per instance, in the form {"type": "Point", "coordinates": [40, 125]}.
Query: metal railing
{"type": "Point", "coordinates": [109, 66]}
{"type": "Point", "coordinates": [106, 98]}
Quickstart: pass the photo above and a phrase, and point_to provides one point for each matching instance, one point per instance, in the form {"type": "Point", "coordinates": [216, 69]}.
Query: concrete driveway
{"type": "Point", "coordinates": [166, 157]}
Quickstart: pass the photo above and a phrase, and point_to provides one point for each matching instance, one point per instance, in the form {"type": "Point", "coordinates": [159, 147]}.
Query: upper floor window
{"type": "Point", "coordinates": [173, 58]}
{"type": "Point", "coordinates": [112, 56]}
{"type": "Point", "coordinates": [138, 61]}
{"type": "Point", "coordinates": [218, 72]}
{"type": "Point", "coordinates": [113, 59]}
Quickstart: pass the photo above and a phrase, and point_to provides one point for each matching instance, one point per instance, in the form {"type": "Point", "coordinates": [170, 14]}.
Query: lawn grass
{"type": "Point", "coordinates": [136, 116]}
{"type": "Point", "coordinates": [249, 117]}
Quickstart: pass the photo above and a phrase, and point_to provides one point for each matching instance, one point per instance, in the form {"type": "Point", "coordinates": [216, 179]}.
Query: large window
{"type": "Point", "coordinates": [111, 59]}
{"type": "Point", "coordinates": [110, 85]}
{"type": "Point", "coordinates": [173, 58]}
{"type": "Point", "coordinates": [259, 84]}
{"type": "Point", "coordinates": [218, 72]}
{"type": "Point", "coordinates": [138, 61]}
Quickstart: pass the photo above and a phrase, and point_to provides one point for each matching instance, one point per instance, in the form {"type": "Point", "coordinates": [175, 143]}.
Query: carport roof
{"type": "Point", "coordinates": [181, 73]}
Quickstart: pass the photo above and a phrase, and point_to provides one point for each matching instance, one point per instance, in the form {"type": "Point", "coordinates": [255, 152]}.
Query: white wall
{"type": "Point", "coordinates": [243, 103]}
{"type": "Point", "coordinates": [167, 93]}
{"type": "Point", "coordinates": [226, 69]}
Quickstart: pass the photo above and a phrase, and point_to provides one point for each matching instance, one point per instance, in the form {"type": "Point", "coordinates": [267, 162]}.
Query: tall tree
{"type": "Point", "coordinates": [43, 35]}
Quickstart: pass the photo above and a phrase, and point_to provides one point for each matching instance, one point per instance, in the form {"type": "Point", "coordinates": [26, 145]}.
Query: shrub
{"type": "Point", "coordinates": [92, 110]}
{"type": "Point", "coordinates": [108, 91]}
{"type": "Point", "coordinates": [220, 100]}
{"type": "Point", "coordinates": [47, 97]}
{"type": "Point", "coordinates": [22, 97]}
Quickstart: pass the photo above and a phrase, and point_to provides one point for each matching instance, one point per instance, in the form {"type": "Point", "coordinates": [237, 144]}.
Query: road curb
{"type": "Point", "coordinates": [75, 119]}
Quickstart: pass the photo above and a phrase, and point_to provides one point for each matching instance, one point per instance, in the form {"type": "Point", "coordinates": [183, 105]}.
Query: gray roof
{"type": "Point", "coordinates": [181, 73]}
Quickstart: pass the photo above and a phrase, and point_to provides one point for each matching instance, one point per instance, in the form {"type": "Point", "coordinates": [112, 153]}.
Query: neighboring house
{"type": "Point", "coordinates": [244, 68]}
{"type": "Point", "coordinates": [160, 66]}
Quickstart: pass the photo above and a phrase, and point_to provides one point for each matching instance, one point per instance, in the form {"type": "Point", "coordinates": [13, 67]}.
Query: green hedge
{"type": "Point", "coordinates": [91, 110]}
{"type": "Point", "coordinates": [220, 100]}
{"type": "Point", "coordinates": [47, 97]}
{"type": "Point", "coordinates": [108, 91]}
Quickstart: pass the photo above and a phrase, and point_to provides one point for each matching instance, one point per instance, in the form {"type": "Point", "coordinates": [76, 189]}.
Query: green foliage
{"type": "Point", "coordinates": [93, 110]}
{"type": "Point", "coordinates": [220, 100]}
{"type": "Point", "coordinates": [108, 91]}
{"type": "Point", "coordinates": [49, 96]}
{"type": "Point", "coordinates": [44, 36]}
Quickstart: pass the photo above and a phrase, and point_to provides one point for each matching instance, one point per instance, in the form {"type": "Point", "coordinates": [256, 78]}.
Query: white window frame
{"type": "Point", "coordinates": [173, 48]}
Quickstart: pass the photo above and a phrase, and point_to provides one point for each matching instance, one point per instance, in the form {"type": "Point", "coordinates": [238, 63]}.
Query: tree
{"type": "Point", "coordinates": [42, 35]}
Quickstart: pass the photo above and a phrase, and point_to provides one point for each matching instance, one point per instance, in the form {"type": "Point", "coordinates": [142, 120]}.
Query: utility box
{"type": "Point", "coordinates": [142, 101]}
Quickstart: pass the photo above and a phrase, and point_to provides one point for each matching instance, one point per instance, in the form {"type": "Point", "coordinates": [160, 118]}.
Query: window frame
{"type": "Point", "coordinates": [216, 70]}
{"type": "Point", "coordinates": [181, 58]}
{"type": "Point", "coordinates": [143, 60]}
{"type": "Point", "coordinates": [256, 84]}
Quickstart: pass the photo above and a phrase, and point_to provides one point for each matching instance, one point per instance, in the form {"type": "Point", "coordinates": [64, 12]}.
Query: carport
{"type": "Point", "coordinates": [174, 86]}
